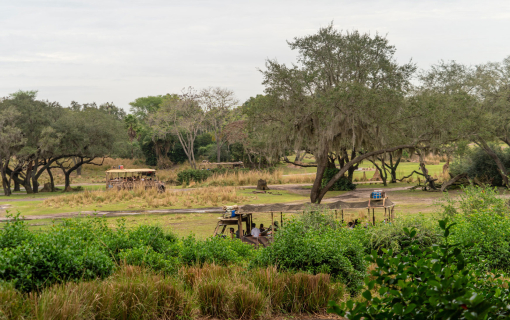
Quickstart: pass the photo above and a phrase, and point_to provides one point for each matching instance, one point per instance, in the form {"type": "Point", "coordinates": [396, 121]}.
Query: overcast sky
{"type": "Point", "coordinates": [116, 51]}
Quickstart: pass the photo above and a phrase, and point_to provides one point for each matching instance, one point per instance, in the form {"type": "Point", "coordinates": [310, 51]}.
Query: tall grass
{"type": "Point", "coordinates": [151, 198]}
{"type": "Point", "coordinates": [250, 178]}
{"type": "Point", "coordinates": [209, 291]}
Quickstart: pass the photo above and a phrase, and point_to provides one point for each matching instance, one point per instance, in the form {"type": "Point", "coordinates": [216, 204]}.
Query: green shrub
{"type": "Point", "coordinates": [297, 247]}
{"type": "Point", "coordinates": [393, 236]}
{"type": "Point", "coordinates": [428, 283]}
{"type": "Point", "coordinates": [478, 164]}
{"type": "Point", "coordinates": [482, 218]}
{"type": "Point", "coordinates": [343, 184]}
{"type": "Point", "coordinates": [56, 256]}
{"type": "Point", "coordinates": [147, 257]}
{"type": "Point", "coordinates": [15, 232]}
{"type": "Point", "coordinates": [188, 175]}
{"type": "Point", "coordinates": [80, 249]}
{"type": "Point", "coordinates": [222, 251]}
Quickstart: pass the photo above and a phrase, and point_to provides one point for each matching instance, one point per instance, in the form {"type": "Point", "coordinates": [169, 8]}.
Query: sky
{"type": "Point", "coordinates": [117, 51]}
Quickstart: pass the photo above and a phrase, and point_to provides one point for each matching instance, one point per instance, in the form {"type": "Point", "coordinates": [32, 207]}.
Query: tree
{"type": "Point", "coordinates": [345, 92]}
{"type": "Point", "coordinates": [142, 109]}
{"type": "Point", "coordinates": [86, 135]}
{"type": "Point", "coordinates": [11, 139]}
{"type": "Point", "coordinates": [34, 119]}
{"type": "Point", "coordinates": [183, 117]}
{"type": "Point", "coordinates": [218, 104]}
{"type": "Point", "coordinates": [481, 95]}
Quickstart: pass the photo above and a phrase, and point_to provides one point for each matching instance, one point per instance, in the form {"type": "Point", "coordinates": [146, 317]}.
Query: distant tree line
{"type": "Point", "coordinates": [37, 136]}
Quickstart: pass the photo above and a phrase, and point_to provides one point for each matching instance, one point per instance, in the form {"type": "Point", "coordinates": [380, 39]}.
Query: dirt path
{"type": "Point", "coordinates": [355, 195]}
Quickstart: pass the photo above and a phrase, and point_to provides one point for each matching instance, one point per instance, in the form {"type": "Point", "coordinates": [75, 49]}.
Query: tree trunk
{"type": "Point", "coordinates": [393, 167]}
{"type": "Point", "coordinates": [501, 168]}
{"type": "Point", "coordinates": [322, 162]}
{"type": "Point", "coordinates": [382, 171]}
{"type": "Point", "coordinates": [298, 156]}
{"type": "Point", "coordinates": [6, 183]}
{"type": "Point", "coordinates": [26, 182]}
{"type": "Point", "coordinates": [425, 172]}
{"type": "Point", "coordinates": [52, 181]}
{"type": "Point", "coordinates": [67, 178]}
{"type": "Point", "coordinates": [17, 186]}
{"type": "Point", "coordinates": [33, 177]}
{"type": "Point", "coordinates": [446, 184]}
{"type": "Point", "coordinates": [218, 148]}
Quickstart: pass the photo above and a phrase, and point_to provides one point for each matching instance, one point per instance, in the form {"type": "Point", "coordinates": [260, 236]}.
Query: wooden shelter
{"type": "Point", "coordinates": [131, 178]}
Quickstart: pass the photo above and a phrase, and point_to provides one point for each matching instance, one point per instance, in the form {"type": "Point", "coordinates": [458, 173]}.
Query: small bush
{"type": "Point", "coordinates": [147, 257]}
{"type": "Point", "coordinates": [296, 247]}
{"type": "Point", "coordinates": [15, 232]}
{"type": "Point", "coordinates": [393, 236]}
{"type": "Point", "coordinates": [343, 184]}
{"type": "Point", "coordinates": [221, 251]}
{"type": "Point", "coordinates": [484, 219]}
{"type": "Point", "coordinates": [478, 164]}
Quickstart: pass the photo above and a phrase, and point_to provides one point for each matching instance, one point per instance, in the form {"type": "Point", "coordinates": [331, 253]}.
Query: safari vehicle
{"type": "Point", "coordinates": [264, 240]}
{"type": "Point", "coordinates": [131, 178]}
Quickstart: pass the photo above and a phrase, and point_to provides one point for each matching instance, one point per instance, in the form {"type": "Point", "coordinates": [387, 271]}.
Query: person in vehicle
{"type": "Point", "coordinates": [232, 235]}
{"type": "Point", "coordinates": [255, 232]}
{"type": "Point", "coordinates": [261, 228]}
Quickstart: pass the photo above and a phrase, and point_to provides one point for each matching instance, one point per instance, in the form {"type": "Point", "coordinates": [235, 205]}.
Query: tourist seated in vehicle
{"type": "Point", "coordinates": [232, 234]}
{"type": "Point", "coordinates": [261, 228]}
{"type": "Point", "coordinates": [350, 225]}
{"type": "Point", "coordinates": [255, 232]}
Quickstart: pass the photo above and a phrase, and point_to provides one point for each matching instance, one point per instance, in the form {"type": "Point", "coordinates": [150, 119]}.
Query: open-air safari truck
{"type": "Point", "coordinates": [130, 178]}
{"type": "Point", "coordinates": [243, 222]}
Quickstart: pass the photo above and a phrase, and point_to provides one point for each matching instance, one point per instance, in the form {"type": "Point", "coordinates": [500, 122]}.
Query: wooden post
{"type": "Point", "coordinates": [281, 219]}
{"type": "Point", "coordinates": [272, 223]}
{"type": "Point", "coordinates": [336, 215]}
{"type": "Point", "coordinates": [373, 216]}
{"type": "Point", "coordinates": [240, 225]}
{"type": "Point", "coordinates": [342, 215]}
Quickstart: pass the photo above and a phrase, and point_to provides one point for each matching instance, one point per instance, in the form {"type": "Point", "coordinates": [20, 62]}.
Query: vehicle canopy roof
{"type": "Point", "coordinates": [130, 170]}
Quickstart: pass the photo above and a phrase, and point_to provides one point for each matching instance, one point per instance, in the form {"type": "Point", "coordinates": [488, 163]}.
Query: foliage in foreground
{"type": "Point", "coordinates": [83, 249]}
{"type": "Point", "coordinates": [482, 218]}
{"type": "Point", "coordinates": [207, 291]}
{"type": "Point", "coordinates": [430, 283]}
{"type": "Point", "coordinates": [317, 247]}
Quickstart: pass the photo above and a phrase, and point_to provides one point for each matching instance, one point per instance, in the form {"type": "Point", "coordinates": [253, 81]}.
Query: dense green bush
{"type": "Point", "coordinates": [14, 233]}
{"type": "Point", "coordinates": [337, 251]}
{"type": "Point", "coordinates": [484, 219]}
{"type": "Point", "coordinates": [188, 175]}
{"type": "Point", "coordinates": [148, 257]}
{"type": "Point", "coordinates": [478, 164]}
{"type": "Point", "coordinates": [55, 256]}
{"type": "Point", "coordinates": [218, 250]}
{"type": "Point", "coordinates": [393, 236]}
{"type": "Point", "coordinates": [343, 184]}
{"type": "Point", "coordinates": [428, 283]}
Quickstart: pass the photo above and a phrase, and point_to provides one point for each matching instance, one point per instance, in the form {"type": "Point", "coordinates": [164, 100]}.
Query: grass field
{"type": "Point", "coordinates": [90, 199]}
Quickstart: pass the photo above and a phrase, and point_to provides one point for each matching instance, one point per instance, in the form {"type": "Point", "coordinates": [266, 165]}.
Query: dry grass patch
{"type": "Point", "coordinates": [250, 178]}
{"type": "Point", "coordinates": [151, 198]}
